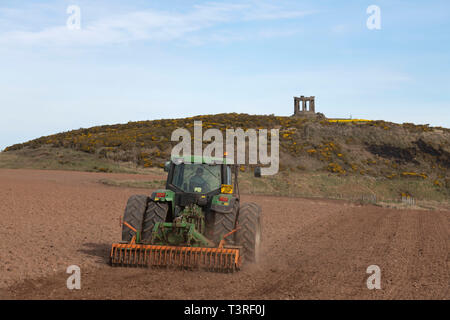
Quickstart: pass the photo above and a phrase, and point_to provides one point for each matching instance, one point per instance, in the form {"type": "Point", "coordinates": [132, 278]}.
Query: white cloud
{"type": "Point", "coordinates": [340, 28]}
{"type": "Point", "coordinates": [154, 25]}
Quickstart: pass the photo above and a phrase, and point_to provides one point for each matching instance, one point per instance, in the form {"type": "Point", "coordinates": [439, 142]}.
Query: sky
{"type": "Point", "coordinates": [145, 60]}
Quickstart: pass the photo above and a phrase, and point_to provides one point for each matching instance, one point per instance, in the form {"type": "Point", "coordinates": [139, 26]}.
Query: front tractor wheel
{"type": "Point", "coordinates": [248, 234]}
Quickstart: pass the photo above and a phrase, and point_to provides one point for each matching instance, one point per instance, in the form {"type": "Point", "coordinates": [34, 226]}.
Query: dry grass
{"type": "Point", "coordinates": [150, 184]}
{"type": "Point", "coordinates": [49, 158]}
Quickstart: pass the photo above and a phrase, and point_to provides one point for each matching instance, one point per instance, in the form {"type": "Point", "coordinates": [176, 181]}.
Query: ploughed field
{"type": "Point", "coordinates": [311, 248]}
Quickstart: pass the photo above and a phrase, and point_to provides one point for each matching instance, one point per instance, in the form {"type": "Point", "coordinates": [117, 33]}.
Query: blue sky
{"type": "Point", "coordinates": [139, 60]}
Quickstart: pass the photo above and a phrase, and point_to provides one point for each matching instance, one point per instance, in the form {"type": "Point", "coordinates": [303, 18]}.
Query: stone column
{"type": "Point", "coordinates": [312, 105]}
{"type": "Point", "coordinates": [296, 105]}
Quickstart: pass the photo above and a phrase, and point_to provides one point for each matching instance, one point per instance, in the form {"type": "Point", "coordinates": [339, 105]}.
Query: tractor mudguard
{"type": "Point", "coordinates": [164, 195]}
{"type": "Point", "coordinates": [223, 203]}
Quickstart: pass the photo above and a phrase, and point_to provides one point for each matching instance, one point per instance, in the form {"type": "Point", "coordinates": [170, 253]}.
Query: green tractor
{"type": "Point", "coordinates": [196, 221]}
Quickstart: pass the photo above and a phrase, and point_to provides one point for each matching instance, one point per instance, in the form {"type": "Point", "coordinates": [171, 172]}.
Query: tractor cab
{"type": "Point", "coordinates": [190, 177]}
{"type": "Point", "coordinates": [206, 184]}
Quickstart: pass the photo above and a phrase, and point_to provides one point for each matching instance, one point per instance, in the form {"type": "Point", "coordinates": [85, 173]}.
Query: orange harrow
{"type": "Point", "coordinates": [220, 259]}
{"type": "Point", "coordinates": [142, 255]}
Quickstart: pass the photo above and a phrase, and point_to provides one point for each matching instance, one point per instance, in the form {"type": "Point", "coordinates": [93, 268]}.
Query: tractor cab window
{"type": "Point", "coordinates": [198, 178]}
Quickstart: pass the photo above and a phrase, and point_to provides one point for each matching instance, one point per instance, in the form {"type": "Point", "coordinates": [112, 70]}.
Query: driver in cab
{"type": "Point", "coordinates": [197, 183]}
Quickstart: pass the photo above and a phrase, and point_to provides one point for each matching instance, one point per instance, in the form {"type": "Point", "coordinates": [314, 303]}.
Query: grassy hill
{"type": "Point", "coordinates": [399, 155]}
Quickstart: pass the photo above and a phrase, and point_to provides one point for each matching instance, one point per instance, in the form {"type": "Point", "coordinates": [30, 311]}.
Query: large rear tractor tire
{"type": "Point", "coordinates": [156, 212]}
{"type": "Point", "coordinates": [222, 224]}
{"type": "Point", "coordinates": [248, 234]}
{"type": "Point", "coordinates": [134, 216]}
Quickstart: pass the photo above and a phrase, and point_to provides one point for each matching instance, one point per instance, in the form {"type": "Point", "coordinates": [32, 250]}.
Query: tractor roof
{"type": "Point", "coordinates": [199, 159]}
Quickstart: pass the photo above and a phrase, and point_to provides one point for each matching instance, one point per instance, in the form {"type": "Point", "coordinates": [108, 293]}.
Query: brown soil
{"type": "Point", "coordinates": [312, 249]}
